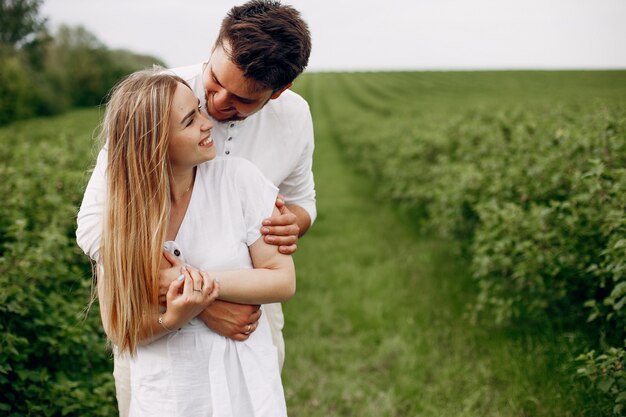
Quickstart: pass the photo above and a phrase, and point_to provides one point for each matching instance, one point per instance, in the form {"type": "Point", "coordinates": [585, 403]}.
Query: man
{"type": "Point", "coordinates": [244, 87]}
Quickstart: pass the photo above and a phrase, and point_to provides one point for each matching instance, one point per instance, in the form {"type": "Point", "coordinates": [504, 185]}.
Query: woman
{"type": "Point", "coordinates": [160, 188]}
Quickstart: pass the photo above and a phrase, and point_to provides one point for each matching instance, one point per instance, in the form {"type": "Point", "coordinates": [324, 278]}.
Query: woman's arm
{"type": "Point", "coordinates": [186, 298]}
{"type": "Point", "coordinates": [272, 280]}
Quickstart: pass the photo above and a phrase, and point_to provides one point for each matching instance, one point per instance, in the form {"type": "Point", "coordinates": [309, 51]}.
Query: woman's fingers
{"type": "Point", "coordinates": [211, 286]}
{"type": "Point", "coordinates": [174, 288]}
{"type": "Point", "coordinates": [173, 259]}
{"type": "Point", "coordinates": [189, 282]}
{"type": "Point", "coordinates": [207, 283]}
{"type": "Point", "coordinates": [199, 287]}
{"type": "Point", "coordinates": [197, 280]}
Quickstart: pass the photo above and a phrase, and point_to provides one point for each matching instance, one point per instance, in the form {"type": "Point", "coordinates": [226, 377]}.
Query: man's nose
{"type": "Point", "coordinates": [222, 99]}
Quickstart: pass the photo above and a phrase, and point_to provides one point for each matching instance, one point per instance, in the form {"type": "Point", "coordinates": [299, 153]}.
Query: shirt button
{"type": "Point", "coordinates": [230, 138]}
{"type": "Point", "coordinates": [232, 125]}
{"type": "Point", "coordinates": [227, 152]}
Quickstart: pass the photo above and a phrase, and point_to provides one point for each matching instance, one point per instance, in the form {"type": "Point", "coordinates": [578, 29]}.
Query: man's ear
{"type": "Point", "coordinates": [279, 92]}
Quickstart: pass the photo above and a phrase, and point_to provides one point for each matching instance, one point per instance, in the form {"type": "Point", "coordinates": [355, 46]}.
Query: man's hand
{"type": "Point", "coordinates": [281, 230]}
{"type": "Point", "coordinates": [235, 321]}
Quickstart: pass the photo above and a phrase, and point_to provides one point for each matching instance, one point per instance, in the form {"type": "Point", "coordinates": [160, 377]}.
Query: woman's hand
{"type": "Point", "coordinates": [188, 297]}
{"type": "Point", "coordinates": [171, 270]}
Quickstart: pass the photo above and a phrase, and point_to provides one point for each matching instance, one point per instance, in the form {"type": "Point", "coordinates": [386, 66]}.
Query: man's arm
{"type": "Point", "coordinates": [303, 220]}
{"type": "Point", "coordinates": [298, 212]}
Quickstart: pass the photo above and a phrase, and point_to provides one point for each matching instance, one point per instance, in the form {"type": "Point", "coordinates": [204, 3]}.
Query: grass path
{"type": "Point", "coordinates": [377, 326]}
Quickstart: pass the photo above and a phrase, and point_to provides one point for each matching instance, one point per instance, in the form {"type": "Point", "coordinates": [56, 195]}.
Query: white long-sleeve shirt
{"type": "Point", "coordinates": [278, 139]}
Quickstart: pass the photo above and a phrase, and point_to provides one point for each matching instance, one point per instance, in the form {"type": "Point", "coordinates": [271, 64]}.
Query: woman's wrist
{"type": "Point", "coordinates": [163, 323]}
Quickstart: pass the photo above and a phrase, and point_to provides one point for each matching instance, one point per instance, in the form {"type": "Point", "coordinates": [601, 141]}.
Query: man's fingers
{"type": "Point", "coordinates": [287, 219]}
{"type": "Point", "coordinates": [288, 250]}
{"type": "Point", "coordinates": [281, 240]}
{"type": "Point", "coordinates": [255, 316]}
{"type": "Point", "coordinates": [249, 328]}
{"type": "Point", "coordinates": [289, 230]}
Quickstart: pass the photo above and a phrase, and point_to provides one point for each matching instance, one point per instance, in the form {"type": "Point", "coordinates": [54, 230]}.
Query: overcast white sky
{"type": "Point", "coordinates": [378, 35]}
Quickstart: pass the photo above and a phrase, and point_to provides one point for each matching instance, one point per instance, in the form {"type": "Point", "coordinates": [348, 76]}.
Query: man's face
{"type": "Point", "coordinates": [229, 95]}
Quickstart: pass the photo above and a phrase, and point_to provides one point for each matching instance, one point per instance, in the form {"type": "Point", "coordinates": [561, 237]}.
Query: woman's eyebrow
{"type": "Point", "coordinates": [187, 116]}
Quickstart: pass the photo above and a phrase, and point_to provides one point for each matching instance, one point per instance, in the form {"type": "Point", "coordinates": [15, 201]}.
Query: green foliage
{"type": "Point", "coordinates": [48, 345]}
{"type": "Point", "coordinates": [606, 372]}
{"type": "Point", "coordinates": [43, 75]}
{"type": "Point", "coordinates": [83, 69]}
{"type": "Point", "coordinates": [378, 328]}
{"type": "Point", "coordinates": [19, 19]}
{"type": "Point", "coordinates": [15, 89]}
{"type": "Point", "coordinates": [525, 169]}
{"type": "Point", "coordinates": [549, 217]}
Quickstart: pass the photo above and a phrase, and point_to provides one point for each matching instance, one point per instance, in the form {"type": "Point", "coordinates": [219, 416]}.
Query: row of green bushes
{"type": "Point", "coordinates": [528, 172]}
{"type": "Point", "coordinates": [53, 357]}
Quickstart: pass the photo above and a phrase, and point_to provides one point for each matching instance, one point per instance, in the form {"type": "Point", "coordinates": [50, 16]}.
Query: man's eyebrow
{"type": "Point", "coordinates": [220, 84]}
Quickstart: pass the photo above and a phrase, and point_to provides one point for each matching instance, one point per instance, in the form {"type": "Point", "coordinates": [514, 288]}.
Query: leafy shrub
{"type": "Point", "coordinates": [606, 373]}
{"type": "Point", "coordinates": [525, 170]}
{"type": "Point", "coordinates": [15, 89]}
{"type": "Point", "coordinates": [53, 358]}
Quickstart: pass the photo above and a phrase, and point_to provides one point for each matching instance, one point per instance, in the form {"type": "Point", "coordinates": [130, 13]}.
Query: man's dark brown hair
{"type": "Point", "coordinates": [269, 42]}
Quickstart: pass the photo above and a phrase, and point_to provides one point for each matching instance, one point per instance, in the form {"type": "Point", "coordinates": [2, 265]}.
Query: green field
{"type": "Point", "coordinates": [464, 221]}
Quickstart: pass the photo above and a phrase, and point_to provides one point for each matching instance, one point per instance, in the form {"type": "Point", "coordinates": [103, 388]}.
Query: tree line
{"type": "Point", "coordinates": [44, 73]}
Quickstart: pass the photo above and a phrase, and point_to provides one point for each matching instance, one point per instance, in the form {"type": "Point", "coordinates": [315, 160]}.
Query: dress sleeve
{"type": "Point", "coordinates": [258, 198]}
{"type": "Point", "coordinates": [91, 211]}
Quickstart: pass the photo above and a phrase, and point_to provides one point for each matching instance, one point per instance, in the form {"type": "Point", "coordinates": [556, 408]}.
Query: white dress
{"type": "Point", "coordinates": [196, 372]}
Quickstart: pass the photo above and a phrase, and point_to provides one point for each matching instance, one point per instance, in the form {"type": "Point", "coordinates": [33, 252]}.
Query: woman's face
{"type": "Point", "coordinates": [190, 131]}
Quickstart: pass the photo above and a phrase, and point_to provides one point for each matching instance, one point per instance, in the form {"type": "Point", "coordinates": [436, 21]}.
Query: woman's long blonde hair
{"type": "Point", "coordinates": [135, 127]}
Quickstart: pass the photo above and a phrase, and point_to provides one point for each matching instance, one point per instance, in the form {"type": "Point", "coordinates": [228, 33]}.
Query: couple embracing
{"type": "Point", "coordinates": [184, 220]}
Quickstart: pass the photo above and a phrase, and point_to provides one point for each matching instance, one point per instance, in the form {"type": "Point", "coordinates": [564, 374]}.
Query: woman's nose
{"type": "Point", "coordinates": [206, 123]}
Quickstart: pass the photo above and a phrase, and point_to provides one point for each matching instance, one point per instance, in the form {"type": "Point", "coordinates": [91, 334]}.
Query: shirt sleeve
{"type": "Point", "coordinates": [258, 198]}
{"type": "Point", "coordinates": [299, 187]}
{"type": "Point", "coordinates": [90, 215]}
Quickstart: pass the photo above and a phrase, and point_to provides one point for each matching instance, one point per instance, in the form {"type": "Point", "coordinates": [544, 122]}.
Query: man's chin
{"type": "Point", "coordinates": [224, 119]}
